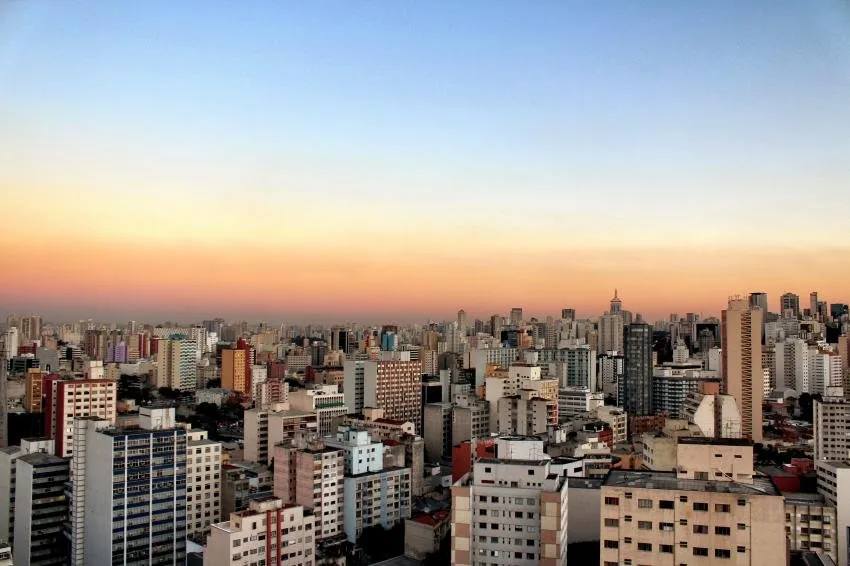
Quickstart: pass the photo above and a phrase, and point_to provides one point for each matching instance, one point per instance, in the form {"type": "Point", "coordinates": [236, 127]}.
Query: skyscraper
{"type": "Point", "coordinates": [758, 300]}
{"type": "Point", "coordinates": [176, 365]}
{"type": "Point", "coordinates": [129, 492]}
{"type": "Point", "coordinates": [568, 314]}
{"type": "Point", "coordinates": [516, 316]}
{"type": "Point", "coordinates": [742, 371]}
{"type": "Point", "coordinates": [790, 302]}
{"type": "Point", "coordinates": [461, 322]}
{"type": "Point", "coordinates": [616, 304]}
{"type": "Point", "coordinates": [636, 385]}
{"type": "Point", "coordinates": [813, 304]}
{"type": "Point", "coordinates": [610, 333]}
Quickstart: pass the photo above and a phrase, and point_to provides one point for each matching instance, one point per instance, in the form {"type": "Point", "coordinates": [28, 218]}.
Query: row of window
{"type": "Point", "coordinates": [668, 549]}
{"type": "Point", "coordinates": [669, 504]}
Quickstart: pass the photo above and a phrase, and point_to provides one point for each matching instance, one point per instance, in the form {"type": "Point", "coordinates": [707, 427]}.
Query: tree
{"type": "Point", "coordinates": [168, 392]}
{"type": "Point", "coordinates": [214, 383]}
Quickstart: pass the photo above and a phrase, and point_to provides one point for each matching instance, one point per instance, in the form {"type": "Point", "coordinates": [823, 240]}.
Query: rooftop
{"type": "Point", "coordinates": [669, 481]}
{"type": "Point", "coordinates": [804, 498]}
{"type": "Point", "coordinates": [714, 441]}
{"type": "Point", "coordinates": [432, 519]}
{"type": "Point", "coordinates": [584, 483]}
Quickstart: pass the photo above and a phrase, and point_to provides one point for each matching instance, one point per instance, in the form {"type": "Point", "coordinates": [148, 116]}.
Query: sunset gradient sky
{"type": "Point", "coordinates": [399, 160]}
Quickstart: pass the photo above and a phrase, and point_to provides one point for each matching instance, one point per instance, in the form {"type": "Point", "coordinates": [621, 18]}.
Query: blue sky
{"type": "Point", "coordinates": [615, 123]}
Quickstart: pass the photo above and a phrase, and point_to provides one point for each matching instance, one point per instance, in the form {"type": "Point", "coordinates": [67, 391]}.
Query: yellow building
{"type": "Point", "coordinates": [234, 369]}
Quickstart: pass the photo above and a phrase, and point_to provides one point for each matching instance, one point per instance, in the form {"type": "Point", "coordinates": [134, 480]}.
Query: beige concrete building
{"type": "Point", "coordinates": [672, 518]}
{"type": "Point", "coordinates": [831, 426]}
{"type": "Point", "coordinates": [203, 482]}
{"type": "Point", "coordinates": [834, 485]}
{"type": "Point", "coordinates": [267, 532]}
{"type": "Point", "coordinates": [659, 448]}
{"type": "Point", "coordinates": [424, 533]}
{"type": "Point", "coordinates": [522, 414]}
{"type": "Point", "coordinates": [742, 372]}
{"type": "Point", "coordinates": [324, 400]}
{"type": "Point", "coordinates": [810, 524]}
{"type": "Point", "coordinates": [309, 474]}
{"type": "Point", "coordinates": [510, 510]}
{"type": "Point", "coordinates": [471, 419]}
{"type": "Point", "coordinates": [715, 415]}
{"type": "Point", "coordinates": [33, 392]}
{"type": "Point", "coordinates": [263, 430]}
{"type": "Point", "coordinates": [617, 419]}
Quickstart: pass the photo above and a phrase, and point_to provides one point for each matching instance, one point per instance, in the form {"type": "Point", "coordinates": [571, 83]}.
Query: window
{"type": "Point", "coordinates": [627, 540]}
{"type": "Point", "coordinates": [667, 548]}
{"type": "Point", "coordinates": [612, 522]}
{"type": "Point", "coordinates": [683, 522]}
{"type": "Point", "coordinates": [531, 472]}
{"type": "Point", "coordinates": [742, 527]}
{"type": "Point", "coordinates": [742, 502]}
{"type": "Point", "coordinates": [722, 508]}
{"type": "Point", "coordinates": [723, 531]}
{"type": "Point", "coordinates": [644, 546]}
{"type": "Point", "coordinates": [645, 503]}
{"type": "Point", "coordinates": [701, 476]}
{"type": "Point", "coordinates": [700, 529]}
{"type": "Point", "coordinates": [613, 544]}
{"type": "Point", "coordinates": [664, 504]}
{"type": "Point", "coordinates": [666, 527]}
{"type": "Point", "coordinates": [628, 518]}
{"type": "Point", "coordinates": [628, 495]}
{"type": "Point", "coordinates": [518, 514]}
{"type": "Point", "coordinates": [683, 498]}
{"type": "Point", "coordinates": [700, 506]}
{"type": "Point", "coordinates": [742, 549]}
{"type": "Point", "coordinates": [683, 544]}
{"type": "Point", "coordinates": [612, 501]}
{"type": "Point", "coordinates": [700, 551]}
{"type": "Point", "coordinates": [722, 553]}
{"type": "Point", "coordinates": [645, 525]}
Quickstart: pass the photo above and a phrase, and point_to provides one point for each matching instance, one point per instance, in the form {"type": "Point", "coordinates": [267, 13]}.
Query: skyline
{"type": "Point", "coordinates": [333, 160]}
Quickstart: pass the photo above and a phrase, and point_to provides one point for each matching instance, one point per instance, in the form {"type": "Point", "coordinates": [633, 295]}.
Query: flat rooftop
{"type": "Point", "coordinates": [669, 481]}
{"type": "Point", "coordinates": [714, 441]}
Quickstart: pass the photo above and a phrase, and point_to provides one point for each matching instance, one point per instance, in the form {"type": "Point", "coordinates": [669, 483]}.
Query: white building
{"type": "Point", "coordinates": [8, 457]}
{"type": "Point", "coordinates": [825, 370]}
{"type": "Point", "coordinates": [792, 365]}
{"type": "Point", "coordinates": [132, 521]}
{"type": "Point", "coordinates": [479, 358]}
{"type": "Point", "coordinates": [510, 510]}
{"type": "Point", "coordinates": [831, 427]}
{"type": "Point", "coordinates": [376, 498]}
{"type": "Point", "coordinates": [834, 485]}
{"type": "Point", "coordinates": [203, 482]}
{"type": "Point", "coordinates": [361, 455]}
{"type": "Point", "coordinates": [267, 532]}
{"type": "Point", "coordinates": [576, 400]}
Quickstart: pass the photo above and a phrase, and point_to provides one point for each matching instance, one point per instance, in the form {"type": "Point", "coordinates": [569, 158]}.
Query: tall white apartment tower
{"type": "Point", "coordinates": [511, 509]}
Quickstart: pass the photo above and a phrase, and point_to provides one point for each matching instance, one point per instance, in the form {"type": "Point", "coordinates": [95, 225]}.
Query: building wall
{"type": "Point", "coordinates": [583, 509]}
{"type": "Point", "coordinates": [758, 527]}
{"type": "Point", "coordinates": [742, 372]}
{"type": "Point", "coordinates": [811, 526]}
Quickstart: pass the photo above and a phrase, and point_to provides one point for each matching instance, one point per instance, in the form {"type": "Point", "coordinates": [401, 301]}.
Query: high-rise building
{"type": "Point", "coordinates": [742, 372]}
{"type": "Point", "coordinates": [373, 494]}
{"type": "Point", "coordinates": [834, 485]}
{"type": "Point", "coordinates": [128, 491]}
{"type": "Point", "coordinates": [234, 370]}
{"type": "Point", "coordinates": [203, 482]}
{"type": "Point", "coordinates": [176, 363]}
{"type": "Point", "coordinates": [711, 511]}
{"type": "Point", "coordinates": [67, 401]}
{"type": "Point", "coordinates": [831, 426]}
{"type": "Point", "coordinates": [309, 473]}
{"type": "Point", "coordinates": [461, 322]}
{"type": "Point", "coordinates": [267, 532]}
{"type": "Point", "coordinates": [758, 300]}
{"type": "Point", "coordinates": [811, 524]}
{"type": "Point", "coordinates": [610, 333]}
{"type": "Point", "coordinates": [616, 304]}
{"type": "Point", "coordinates": [516, 316]}
{"type": "Point", "coordinates": [636, 383]}
{"type": "Point", "coordinates": [790, 303]}
{"type": "Point", "coordinates": [813, 304]}
{"type": "Point", "coordinates": [511, 509]}
{"type": "Point", "coordinates": [41, 510]}
{"type": "Point", "coordinates": [391, 383]}
{"type": "Point", "coordinates": [33, 392]}
{"type": "Point", "coordinates": [568, 314]}
{"type": "Point", "coordinates": [11, 342]}
{"type": "Point", "coordinates": [324, 400]}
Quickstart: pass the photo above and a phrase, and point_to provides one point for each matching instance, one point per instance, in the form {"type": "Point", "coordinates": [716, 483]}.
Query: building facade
{"type": "Point", "coordinates": [742, 373]}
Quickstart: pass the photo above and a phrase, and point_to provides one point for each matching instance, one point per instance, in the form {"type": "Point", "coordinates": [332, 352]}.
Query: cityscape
{"type": "Point", "coordinates": [510, 439]}
{"type": "Point", "coordinates": [404, 283]}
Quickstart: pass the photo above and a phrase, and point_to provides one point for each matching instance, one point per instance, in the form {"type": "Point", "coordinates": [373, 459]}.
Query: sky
{"type": "Point", "coordinates": [395, 161]}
